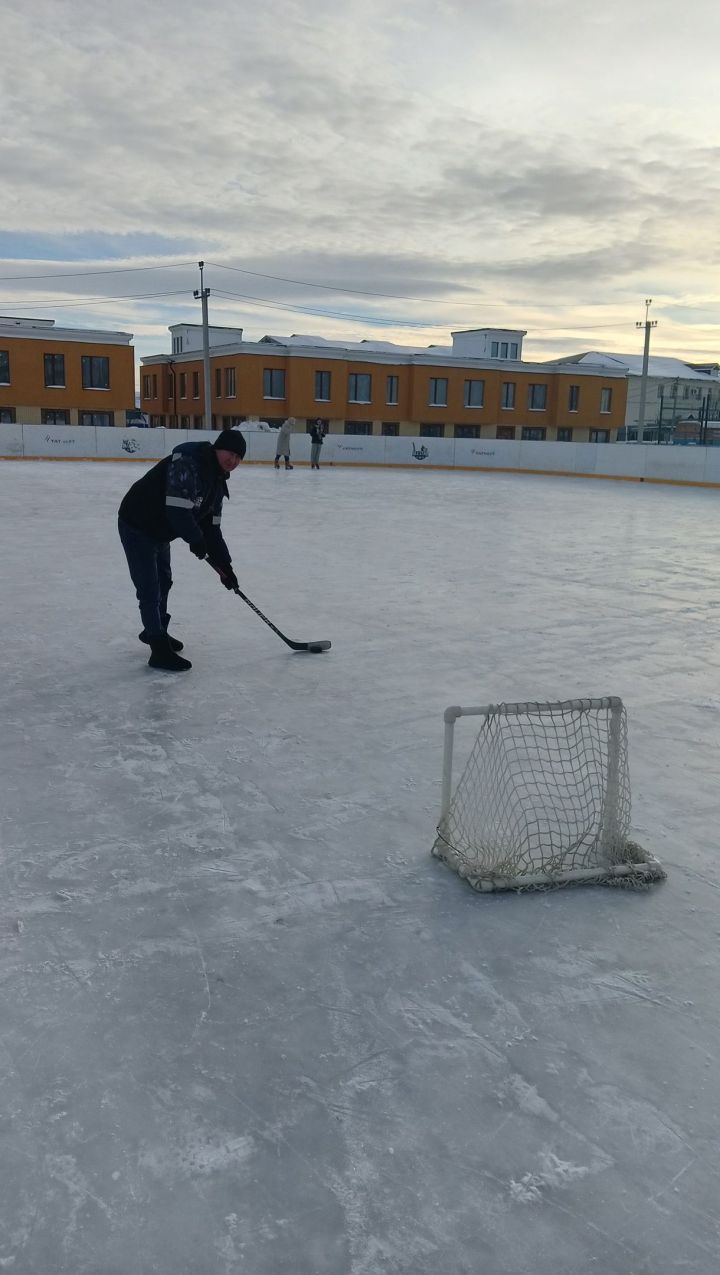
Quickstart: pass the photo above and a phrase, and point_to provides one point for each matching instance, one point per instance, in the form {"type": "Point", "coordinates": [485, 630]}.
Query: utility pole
{"type": "Point", "coordinates": [203, 293]}
{"type": "Point", "coordinates": [647, 325]}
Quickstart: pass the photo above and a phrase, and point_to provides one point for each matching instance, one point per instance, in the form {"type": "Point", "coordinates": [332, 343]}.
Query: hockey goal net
{"type": "Point", "coordinates": [544, 798]}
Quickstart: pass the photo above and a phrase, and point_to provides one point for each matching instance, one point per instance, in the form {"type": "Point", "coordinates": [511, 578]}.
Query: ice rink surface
{"type": "Point", "coordinates": [248, 1023]}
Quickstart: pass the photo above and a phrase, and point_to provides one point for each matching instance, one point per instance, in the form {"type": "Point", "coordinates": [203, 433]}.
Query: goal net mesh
{"type": "Point", "coordinates": [544, 797]}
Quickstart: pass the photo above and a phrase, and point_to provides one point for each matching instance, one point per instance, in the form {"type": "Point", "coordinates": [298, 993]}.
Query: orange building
{"type": "Point", "coordinates": [478, 387]}
{"type": "Point", "coordinates": [64, 376]}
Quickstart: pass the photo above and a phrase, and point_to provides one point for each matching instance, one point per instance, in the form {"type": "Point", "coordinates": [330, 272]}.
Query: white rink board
{"type": "Point", "coordinates": [619, 460]}
{"type": "Point", "coordinates": [137, 444]}
{"type": "Point", "coordinates": [11, 440]}
{"type": "Point", "coordinates": [59, 440]}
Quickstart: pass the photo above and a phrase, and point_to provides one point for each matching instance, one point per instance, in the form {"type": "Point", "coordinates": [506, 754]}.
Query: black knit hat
{"type": "Point", "coordinates": [231, 440]}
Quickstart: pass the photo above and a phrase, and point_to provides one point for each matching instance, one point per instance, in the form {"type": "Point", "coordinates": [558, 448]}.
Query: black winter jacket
{"type": "Point", "coordinates": [182, 497]}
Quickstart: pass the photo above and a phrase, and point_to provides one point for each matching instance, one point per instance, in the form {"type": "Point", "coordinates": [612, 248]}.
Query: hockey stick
{"type": "Point", "coordinates": [313, 647]}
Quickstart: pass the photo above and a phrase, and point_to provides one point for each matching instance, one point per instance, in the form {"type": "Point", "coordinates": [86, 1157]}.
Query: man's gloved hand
{"type": "Point", "coordinates": [199, 548]}
{"type": "Point", "coordinates": [228, 578]}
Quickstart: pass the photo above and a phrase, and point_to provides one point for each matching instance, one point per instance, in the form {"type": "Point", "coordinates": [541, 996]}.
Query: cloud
{"type": "Point", "coordinates": [524, 155]}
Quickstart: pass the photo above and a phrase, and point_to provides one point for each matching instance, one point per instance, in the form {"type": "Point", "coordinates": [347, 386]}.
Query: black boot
{"type": "Point", "coordinates": [175, 643]}
{"type": "Point", "coordinates": [163, 656]}
{"type": "Point", "coordinates": [277, 462]}
{"type": "Point", "coordinates": [288, 465]}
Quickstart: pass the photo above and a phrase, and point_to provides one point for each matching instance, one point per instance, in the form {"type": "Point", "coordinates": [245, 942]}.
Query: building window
{"type": "Point", "coordinates": [184, 422]}
{"type": "Point", "coordinates": [273, 382]}
{"type": "Point", "coordinates": [508, 394]}
{"type": "Point", "coordinates": [95, 372]}
{"type": "Point", "coordinates": [322, 387]}
{"type": "Point", "coordinates": [4, 367]}
{"type": "Point", "coordinates": [54, 370]}
{"type": "Point", "coordinates": [605, 401]}
{"type": "Point", "coordinates": [537, 398]}
{"type": "Point", "coordinates": [564, 435]}
{"type": "Point", "coordinates": [218, 382]}
{"type": "Point", "coordinates": [432, 431]}
{"type": "Point", "coordinates": [573, 398]}
{"type": "Point", "coordinates": [198, 422]}
{"type": "Point", "coordinates": [474, 394]}
{"type": "Point", "coordinates": [196, 384]}
{"type": "Point", "coordinates": [156, 422]}
{"type": "Point", "coordinates": [533, 433]}
{"type": "Point", "coordinates": [392, 385]}
{"type": "Point", "coordinates": [101, 419]}
{"type": "Point", "coordinates": [230, 382]}
{"type": "Point", "coordinates": [7, 415]}
{"type": "Point", "coordinates": [229, 422]}
{"type": "Point", "coordinates": [438, 391]}
{"type": "Point", "coordinates": [503, 349]}
{"type": "Point", "coordinates": [390, 429]}
{"type": "Point", "coordinates": [146, 387]}
{"type": "Point", "coordinates": [505, 431]}
{"type": "Point", "coordinates": [171, 385]}
{"type": "Point", "coordinates": [599, 435]}
{"type": "Point", "coordinates": [154, 384]}
{"type": "Point", "coordinates": [513, 349]}
{"type": "Point", "coordinates": [177, 345]}
{"type": "Point", "coordinates": [358, 427]}
{"type": "Point", "coordinates": [183, 387]}
{"type": "Point", "coordinates": [54, 416]}
{"type": "Point", "coordinates": [494, 350]}
{"type": "Point", "coordinates": [467, 431]}
{"type": "Point", "coordinates": [359, 387]}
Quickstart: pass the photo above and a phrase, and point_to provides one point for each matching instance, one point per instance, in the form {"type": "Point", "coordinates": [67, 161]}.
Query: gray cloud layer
{"type": "Point", "coordinates": [529, 155]}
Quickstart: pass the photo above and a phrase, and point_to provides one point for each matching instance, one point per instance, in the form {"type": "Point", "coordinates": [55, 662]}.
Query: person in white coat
{"type": "Point", "coordinates": [282, 448]}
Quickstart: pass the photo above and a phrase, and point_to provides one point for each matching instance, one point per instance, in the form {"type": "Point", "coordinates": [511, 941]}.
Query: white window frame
{"type": "Point", "coordinates": [467, 393]}
{"type": "Point", "coordinates": [392, 387]}
{"type": "Point", "coordinates": [353, 387]}
{"type": "Point", "coordinates": [321, 372]}
{"type": "Point", "coordinates": [537, 385]}
{"type": "Point", "coordinates": [434, 389]}
{"type": "Point", "coordinates": [510, 385]}
{"type": "Point", "coordinates": [271, 373]}
{"type": "Point", "coordinates": [606, 400]}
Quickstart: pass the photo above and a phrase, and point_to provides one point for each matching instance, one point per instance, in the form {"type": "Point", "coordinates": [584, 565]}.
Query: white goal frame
{"type": "Point", "coordinates": [617, 856]}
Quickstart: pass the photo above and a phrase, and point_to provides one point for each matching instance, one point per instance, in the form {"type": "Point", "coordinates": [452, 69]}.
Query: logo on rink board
{"type": "Point", "coordinates": [130, 445]}
{"type": "Point", "coordinates": [420, 453]}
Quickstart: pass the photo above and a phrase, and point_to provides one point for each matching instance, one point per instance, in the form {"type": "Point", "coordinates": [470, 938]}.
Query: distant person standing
{"type": "Point", "coordinates": [282, 448]}
{"type": "Point", "coordinates": [317, 438]}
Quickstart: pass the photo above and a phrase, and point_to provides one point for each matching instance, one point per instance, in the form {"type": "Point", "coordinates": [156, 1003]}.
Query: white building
{"type": "Point", "coordinates": [675, 390]}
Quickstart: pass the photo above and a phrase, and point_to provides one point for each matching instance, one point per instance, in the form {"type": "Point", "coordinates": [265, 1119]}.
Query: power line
{"type": "Point", "coordinates": [392, 296]}
{"type": "Point", "coordinates": [77, 274]}
{"type": "Point", "coordinates": [62, 305]}
{"type": "Point", "coordinates": [397, 323]}
{"type": "Point", "coordinates": [322, 314]}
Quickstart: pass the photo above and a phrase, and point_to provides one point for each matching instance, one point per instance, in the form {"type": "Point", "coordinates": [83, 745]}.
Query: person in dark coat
{"type": "Point", "coordinates": [317, 437]}
{"type": "Point", "coordinates": [179, 498]}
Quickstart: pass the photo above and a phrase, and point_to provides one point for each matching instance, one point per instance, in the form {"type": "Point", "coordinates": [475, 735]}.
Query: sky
{"type": "Point", "coordinates": [359, 169]}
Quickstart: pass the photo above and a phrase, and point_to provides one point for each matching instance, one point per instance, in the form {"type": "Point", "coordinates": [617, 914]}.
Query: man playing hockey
{"type": "Point", "coordinates": [180, 497]}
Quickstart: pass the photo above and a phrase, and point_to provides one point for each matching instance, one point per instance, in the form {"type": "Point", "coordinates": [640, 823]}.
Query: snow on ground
{"type": "Point", "coordinates": [249, 1025]}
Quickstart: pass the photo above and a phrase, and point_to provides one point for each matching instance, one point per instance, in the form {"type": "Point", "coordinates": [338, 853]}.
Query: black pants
{"type": "Point", "coordinates": [149, 563]}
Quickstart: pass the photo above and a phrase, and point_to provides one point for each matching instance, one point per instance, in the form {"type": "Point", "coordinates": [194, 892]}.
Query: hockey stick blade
{"type": "Point", "coordinates": [313, 647]}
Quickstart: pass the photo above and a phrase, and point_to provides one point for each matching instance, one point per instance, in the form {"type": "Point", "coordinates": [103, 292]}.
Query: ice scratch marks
{"type": "Point", "coordinates": [64, 1169]}
{"type": "Point", "coordinates": [551, 1173]}
{"type": "Point", "coordinates": [198, 945]}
